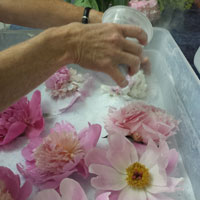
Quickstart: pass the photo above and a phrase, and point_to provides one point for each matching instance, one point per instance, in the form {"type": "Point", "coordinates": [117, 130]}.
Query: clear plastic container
{"type": "Point", "coordinates": [179, 94]}
{"type": "Point", "coordinates": [124, 15]}
{"type": "Point", "coordinates": [128, 15]}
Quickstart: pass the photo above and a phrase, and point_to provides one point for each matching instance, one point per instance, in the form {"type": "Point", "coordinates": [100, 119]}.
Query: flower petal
{"type": "Point", "coordinates": [71, 190]}
{"type": "Point", "coordinates": [159, 177]}
{"type": "Point", "coordinates": [130, 194]}
{"type": "Point", "coordinates": [121, 152]}
{"type": "Point", "coordinates": [107, 179]}
{"type": "Point", "coordinates": [172, 160]}
{"type": "Point", "coordinates": [47, 194]}
{"type": "Point", "coordinates": [104, 196]}
{"type": "Point", "coordinates": [157, 197]}
{"type": "Point", "coordinates": [97, 156]}
{"type": "Point", "coordinates": [14, 131]}
{"type": "Point", "coordinates": [151, 155]}
{"type": "Point", "coordinates": [25, 191]}
{"type": "Point", "coordinates": [90, 136]}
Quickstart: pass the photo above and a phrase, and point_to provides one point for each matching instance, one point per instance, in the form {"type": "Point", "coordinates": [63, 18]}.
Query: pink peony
{"type": "Point", "coordinates": [148, 7]}
{"type": "Point", "coordinates": [142, 122]}
{"type": "Point", "coordinates": [22, 117]}
{"type": "Point", "coordinates": [128, 175]}
{"type": "Point", "coordinates": [69, 190]}
{"type": "Point", "coordinates": [58, 155]}
{"type": "Point", "coordinates": [10, 186]}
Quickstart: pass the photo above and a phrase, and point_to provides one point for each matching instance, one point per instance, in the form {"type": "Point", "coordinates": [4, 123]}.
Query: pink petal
{"type": "Point", "coordinates": [174, 184]}
{"type": "Point", "coordinates": [71, 189]}
{"type": "Point", "coordinates": [90, 136]}
{"type": "Point", "coordinates": [25, 191]}
{"type": "Point", "coordinates": [104, 196]}
{"type": "Point", "coordinates": [27, 152]}
{"type": "Point", "coordinates": [107, 179]}
{"type": "Point", "coordinates": [121, 152]}
{"type": "Point", "coordinates": [151, 155]}
{"type": "Point", "coordinates": [63, 126]}
{"type": "Point", "coordinates": [97, 156]}
{"type": "Point", "coordinates": [35, 109]}
{"type": "Point", "coordinates": [173, 159]}
{"type": "Point", "coordinates": [14, 131]}
{"type": "Point", "coordinates": [47, 194]}
{"type": "Point", "coordinates": [76, 96]}
{"type": "Point", "coordinates": [130, 194]}
{"type": "Point", "coordinates": [11, 181]}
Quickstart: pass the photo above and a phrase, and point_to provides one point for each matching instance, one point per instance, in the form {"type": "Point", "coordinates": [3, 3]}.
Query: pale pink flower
{"type": "Point", "coordinates": [128, 175]}
{"type": "Point", "coordinates": [69, 190]}
{"type": "Point", "coordinates": [65, 82]}
{"type": "Point", "coordinates": [70, 85]}
{"type": "Point", "coordinates": [142, 122]}
{"type": "Point", "coordinates": [10, 186]}
{"type": "Point", "coordinates": [58, 155]}
{"type": "Point", "coordinates": [22, 117]}
{"type": "Point", "coordinates": [149, 7]}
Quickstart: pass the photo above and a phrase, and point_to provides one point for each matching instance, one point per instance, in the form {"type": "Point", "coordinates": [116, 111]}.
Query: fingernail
{"type": "Point", "coordinates": [124, 83]}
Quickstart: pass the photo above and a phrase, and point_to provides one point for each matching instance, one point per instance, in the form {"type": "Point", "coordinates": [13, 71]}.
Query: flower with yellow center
{"type": "Point", "coordinates": [130, 174]}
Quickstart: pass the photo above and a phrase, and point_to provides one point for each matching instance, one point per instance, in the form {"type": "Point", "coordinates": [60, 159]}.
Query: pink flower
{"type": "Point", "coordinates": [22, 117]}
{"type": "Point", "coordinates": [58, 155]}
{"type": "Point", "coordinates": [10, 186]}
{"type": "Point", "coordinates": [142, 122]}
{"type": "Point", "coordinates": [69, 190]}
{"type": "Point", "coordinates": [128, 175]}
{"type": "Point", "coordinates": [148, 7]}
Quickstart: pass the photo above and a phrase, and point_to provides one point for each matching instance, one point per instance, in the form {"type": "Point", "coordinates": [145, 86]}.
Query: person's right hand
{"type": "Point", "coordinates": [100, 47]}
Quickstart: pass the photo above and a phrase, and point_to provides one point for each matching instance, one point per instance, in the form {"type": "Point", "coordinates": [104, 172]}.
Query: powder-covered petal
{"type": "Point", "coordinates": [71, 190]}
{"type": "Point", "coordinates": [121, 152]}
{"type": "Point", "coordinates": [107, 178]}
{"type": "Point", "coordinates": [47, 194]}
{"type": "Point", "coordinates": [129, 194]}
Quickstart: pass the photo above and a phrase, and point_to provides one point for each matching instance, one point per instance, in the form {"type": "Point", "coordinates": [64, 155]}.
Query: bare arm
{"type": "Point", "coordinates": [100, 47]}
{"type": "Point", "coordinates": [42, 13]}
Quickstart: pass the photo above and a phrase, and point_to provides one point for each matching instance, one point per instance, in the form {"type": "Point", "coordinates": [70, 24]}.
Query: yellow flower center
{"type": "Point", "coordinates": [138, 176]}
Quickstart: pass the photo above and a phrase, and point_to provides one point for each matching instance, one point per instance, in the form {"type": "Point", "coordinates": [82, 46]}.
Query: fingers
{"type": "Point", "coordinates": [146, 65]}
{"type": "Point", "coordinates": [134, 32]}
{"type": "Point", "coordinates": [132, 48]}
{"type": "Point", "coordinates": [130, 60]}
{"type": "Point", "coordinates": [117, 76]}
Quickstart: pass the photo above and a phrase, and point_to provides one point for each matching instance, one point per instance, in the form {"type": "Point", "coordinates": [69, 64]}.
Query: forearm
{"type": "Point", "coordinates": [23, 67]}
{"type": "Point", "coordinates": [42, 13]}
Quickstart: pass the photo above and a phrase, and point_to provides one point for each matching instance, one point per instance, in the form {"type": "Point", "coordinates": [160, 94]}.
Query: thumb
{"type": "Point", "coordinates": [117, 76]}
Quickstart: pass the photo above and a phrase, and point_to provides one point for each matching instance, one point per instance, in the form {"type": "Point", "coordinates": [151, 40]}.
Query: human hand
{"type": "Point", "coordinates": [99, 47]}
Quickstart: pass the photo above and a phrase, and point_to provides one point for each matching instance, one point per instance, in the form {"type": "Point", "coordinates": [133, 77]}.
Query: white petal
{"type": "Point", "coordinates": [107, 178]}
{"type": "Point", "coordinates": [121, 153]}
{"type": "Point", "coordinates": [151, 155]}
{"type": "Point", "coordinates": [159, 177]}
{"type": "Point", "coordinates": [130, 194]}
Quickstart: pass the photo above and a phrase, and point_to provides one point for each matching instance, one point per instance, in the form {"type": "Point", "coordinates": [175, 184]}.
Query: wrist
{"type": "Point", "coordinates": [95, 16]}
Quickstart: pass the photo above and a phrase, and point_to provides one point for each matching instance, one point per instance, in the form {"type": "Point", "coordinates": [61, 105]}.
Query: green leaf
{"type": "Point", "coordinates": [87, 3]}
